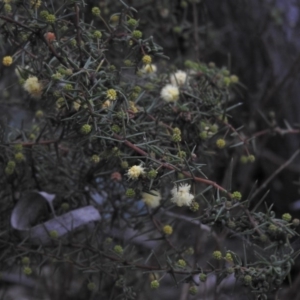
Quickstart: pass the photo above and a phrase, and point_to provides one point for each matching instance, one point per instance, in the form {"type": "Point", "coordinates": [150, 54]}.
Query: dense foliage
{"type": "Point", "coordinates": [115, 175]}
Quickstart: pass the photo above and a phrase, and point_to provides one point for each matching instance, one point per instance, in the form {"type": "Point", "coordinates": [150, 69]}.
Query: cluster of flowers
{"type": "Point", "coordinates": [181, 195]}
{"type": "Point", "coordinates": [170, 92]}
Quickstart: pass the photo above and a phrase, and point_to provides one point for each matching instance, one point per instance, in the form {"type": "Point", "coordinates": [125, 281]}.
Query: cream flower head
{"type": "Point", "coordinates": [170, 93]}
{"type": "Point", "coordinates": [179, 78]}
{"type": "Point", "coordinates": [181, 195]}
{"type": "Point", "coordinates": [152, 200]}
{"type": "Point", "coordinates": [106, 104]}
{"type": "Point", "coordinates": [149, 69]}
{"type": "Point", "coordinates": [135, 172]}
{"type": "Point", "coordinates": [33, 86]}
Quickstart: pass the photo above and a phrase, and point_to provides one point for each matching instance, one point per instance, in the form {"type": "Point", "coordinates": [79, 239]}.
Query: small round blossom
{"type": "Point", "coordinates": [176, 138]}
{"type": "Point", "coordinates": [27, 270]}
{"type": "Point", "coordinates": [7, 8]}
{"type": "Point", "coordinates": [221, 143]}
{"type": "Point", "coordinates": [272, 228]}
{"type": "Point", "coordinates": [181, 154]}
{"type": "Point", "coordinates": [106, 104]}
{"type": "Point", "coordinates": [137, 89]}
{"type": "Point", "coordinates": [147, 59]}
{"type": "Point", "coordinates": [236, 196]}
{"type": "Point", "coordinates": [179, 78]}
{"type": "Point", "coordinates": [152, 174]}
{"type": "Point", "coordinates": [202, 277]}
{"type": "Point", "coordinates": [137, 34]}
{"type": "Point", "coordinates": [234, 79]}
{"type": "Point", "coordinates": [189, 251]}
{"type": "Point", "coordinates": [152, 199]}
{"type": "Point", "coordinates": [226, 80]}
{"type": "Point", "coordinates": [50, 18]}
{"type": "Point", "coordinates": [181, 195]}
{"type": "Point", "coordinates": [217, 255]}
{"type": "Point", "coordinates": [44, 14]}
{"type": "Point", "coordinates": [33, 86]}
{"type": "Point", "coordinates": [214, 128]}
{"type": "Point", "coordinates": [154, 284]}
{"type": "Point", "coordinates": [115, 128]}
{"type": "Point", "coordinates": [170, 93]}
{"type": "Point", "coordinates": [95, 158]}
{"type": "Point", "coordinates": [7, 61]}
{"type": "Point", "coordinates": [251, 158]}
{"type": "Point", "coordinates": [286, 217]}
{"type": "Point", "coordinates": [243, 159]}
{"type": "Point", "coordinates": [132, 22]}
{"type": "Point", "coordinates": [135, 172]}
{"type": "Point", "coordinates": [193, 290]}
{"type": "Point", "coordinates": [35, 3]}
{"type": "Point", "coordinates": [133, 107]}
{"type": "Point", "coordinates": [167, 229]}
{"type": "Point", "coordinates": [9, 171]}
{"type": "Point", "coordinates": [176, 130]}
{"type": "Point", "coordinates": [111, 94]}
{"type": "Point", "coordinates": [25, 260]}
{"type": "Point", "coordinates": [228, 257]}
{"type": "Point", "coordinates": [149, 69]}
{"type": "Point", "coordinates": [118, 249]}
{"type": "Point", "coordinates": [124, 164]}
{"type": "Point", "coordinates": [53, 234]}
{"type": "Point", "coordinates": [114, 18]}
{"type": "Point", "coordinates": [97, 34]}
{"type": "Point", "coordinates": [19, 157]}
{"type": "Point", "coordinates": [50, 37]}
{"type": "Point", "coordinates": [296, 222]}
{"type": "Point", "coordinates": [56, 76]}
{"type": "Point", "coordinates": [96, 11]}
{"type": "Point", "coordinates": [60, 102]}
{"type": "Point", "coordinates": [203, 135]}
{"type": "Point", "coordinates": [68, 87]}
{"type": "Point", "coordinates": [77, 104]}
{"type": "Point", "coordinates": [39, 114]}
{"type": "Point", "coordinates": [264, 238]}
{"type": "Point", "coordinates": [32, 136]}
{"type": "Point", "coordinates": [18, 147]}
{"type": "Point", "coordinates": [130, 193]}
{"type": "Point", "coordinates": [194, 206]}
{"type": "Point", "coordinates": [86, 129]}
{"type": "Point", "coordinates": [108, 241]}
{"type": "Point", "coordinates": [11, 164]}
{"type": "Point", "coordinates": [247, 279]}
{"type": "Point", "coordinates": [181, 263]}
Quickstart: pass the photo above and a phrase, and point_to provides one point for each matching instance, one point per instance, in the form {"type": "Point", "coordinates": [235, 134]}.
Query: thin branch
{"type": "Point", "coordinates": [169, 166]}
{"type": "Point", "coordinates": [268, 180]}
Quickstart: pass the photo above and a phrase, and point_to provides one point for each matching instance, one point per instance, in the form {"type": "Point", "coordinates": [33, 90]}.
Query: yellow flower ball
{"type": "Point", "coordinates": [111, 94]}
{"type": "Point", "coordinates": [19, 157]}
{"type": "Point", "coordinates": [7, 61]}
{"type": "Point", "coordinates": [147, 59]}
{"type": "Point", "coordinates": [33, 87]}
{"type": "Point", "coordinates": [221, 143]}
{"type": "Point", "coordinates": [167, 229]}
